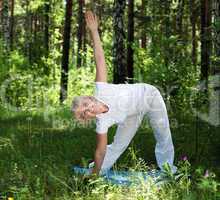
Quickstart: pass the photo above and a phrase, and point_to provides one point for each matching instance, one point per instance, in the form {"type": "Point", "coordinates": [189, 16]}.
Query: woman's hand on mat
{"type": "Point", "coordinates": [91, 21]}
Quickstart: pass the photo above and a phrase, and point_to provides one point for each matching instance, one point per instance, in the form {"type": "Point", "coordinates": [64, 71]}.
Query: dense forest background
{"type": "Point", "coordinates": [172, 44]}
{"type": "Point", "coordinates": [46, 58]}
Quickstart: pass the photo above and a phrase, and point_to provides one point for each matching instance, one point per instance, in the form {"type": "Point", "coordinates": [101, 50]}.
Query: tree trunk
{"type": "Point", "coordinates": [31, 53]}
{"type": "Point", "coordinates": [84, 46]}
{"type": "Point", "coordinates": [179, 18]}
{"type": "Point", "coordinates": [81, 28]}
{"type": "Point", "coordinates": [35, 27]}
{"type": "Point", "coordinates": [193, 24]}
{"type": "Point", "coordinates": [153, 36]}
{"type": "Point", "coordinates": [216, 9]}
{"type": "Point", "coordinates": [27, 45]}
{"type": "Point", "coordinates": [5, 25]}
{"type": "Point", "coordinates": [46, 27]}
{"type": "Point", "coordinates": [216, 62]}
{"type": "Point", "coordinates": [66, 46]}
{"type": "Point", "coordinates": [178, 57]}
{"type": "Point", "coordinates": [205, 39]}
{"type": "Point", "coordinates": [130, 51]}
{"type": "Point", "coordinates": [98, 9]}
{"type": "Point", "coordinates": [12, 25]}
{"type": "Point", "coordinates": [143, 31]}
{"type": "Point", "coordinates": [119, 60]}
{"type": "Point", "coordinates": [167, 31]}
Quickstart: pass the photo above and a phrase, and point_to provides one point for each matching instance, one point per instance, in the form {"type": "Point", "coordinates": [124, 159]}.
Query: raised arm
{"type": "Point", "coordinates": [101, 69]}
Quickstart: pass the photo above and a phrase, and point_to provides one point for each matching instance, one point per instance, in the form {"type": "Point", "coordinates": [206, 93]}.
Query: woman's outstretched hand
{"type": "Point", "coordinates": [91, 21]}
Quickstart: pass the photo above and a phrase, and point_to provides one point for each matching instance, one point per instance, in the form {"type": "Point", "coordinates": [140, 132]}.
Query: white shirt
{"type": "Point", "coordinates": [122, 100]}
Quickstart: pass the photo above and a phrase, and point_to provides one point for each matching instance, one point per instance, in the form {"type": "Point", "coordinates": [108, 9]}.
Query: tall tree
{"type": "Point", "coordinates": [12, 25]}
{"type": "Point", "coordinates": [154, 21]}
{"type": "Point", "coordinates": [216, 9]}
{"type": "Point", "coordinates": [5, 24]}
{"type": "Point", "coordinates": [28, 30]}
{"type": "Point", "coordinates": [206, 42]}
{"type": "Point", "coordinates": [98, 8]}
{"type": "Point", "coordinates": [193, 16]}
{"type": "Point", "coordinates": [216, 62]}
{"type": "Point", "coordinates": [179, 18]}
{"type": "Point", "coordinates": [46, 26]}
{"type": "Point", "coordinates": [66, 47]}
{"type": "Point", "coordinates": [80, 32]}
{"type": "Point", "coordinates": [179, 31]}
{"type": "Point", "coordinates": [166, 4]}
{"type": "Point", "coordinates": [119, 59]}
{"type": "Point", "coordinates": [130, 51]}
{"type": "Point", "coordinates": [143, 31]}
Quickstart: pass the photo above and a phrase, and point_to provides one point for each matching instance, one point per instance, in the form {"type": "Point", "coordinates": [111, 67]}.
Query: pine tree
{"type": "Point", "coordinates": [119, 59]}
{"type": "Point", "coordinates": [66, 47]}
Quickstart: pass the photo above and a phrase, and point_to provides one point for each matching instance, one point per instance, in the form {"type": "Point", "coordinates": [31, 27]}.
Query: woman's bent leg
{"type": "Point", "coordinates": [157, 113]}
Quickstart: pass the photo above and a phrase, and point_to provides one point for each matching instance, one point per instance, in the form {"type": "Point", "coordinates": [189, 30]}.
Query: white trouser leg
{"type": "Point", "coordinates": [157, 113]}
{"type": "Point", "coordinates": [125, 132]}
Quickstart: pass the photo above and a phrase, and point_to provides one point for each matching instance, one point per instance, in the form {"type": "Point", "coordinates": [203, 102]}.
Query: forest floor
{"type": "Point", "coordinates": [38, 151]}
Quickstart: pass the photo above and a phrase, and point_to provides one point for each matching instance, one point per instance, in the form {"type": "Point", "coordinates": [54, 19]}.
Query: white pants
{"type": "Point", "coordinates": [154, 107]}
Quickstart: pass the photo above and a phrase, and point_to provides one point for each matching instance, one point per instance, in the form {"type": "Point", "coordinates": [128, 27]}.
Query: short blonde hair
{"type": "Point", "coordinates": [77, 102]}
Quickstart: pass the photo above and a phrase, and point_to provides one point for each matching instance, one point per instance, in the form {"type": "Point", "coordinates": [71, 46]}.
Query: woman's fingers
{"type": "Point", "coordinates": [88, 21]}
{"type": "Point", "coordinates": [90, 16]}
{"type": "Point", "coordinates": [87, 16]}
{"type": "Point", "coordinates": [96, 19]}
{"type": "Point", "coordinates": [91, 20]}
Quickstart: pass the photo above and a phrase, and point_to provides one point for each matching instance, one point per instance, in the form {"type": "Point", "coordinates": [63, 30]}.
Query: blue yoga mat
{"type": "Point", "coordinates": [124, 177]}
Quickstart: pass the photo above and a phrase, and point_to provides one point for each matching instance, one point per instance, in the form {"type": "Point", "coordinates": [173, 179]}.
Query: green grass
{"type": "Point", "coordinates": [37, 152]}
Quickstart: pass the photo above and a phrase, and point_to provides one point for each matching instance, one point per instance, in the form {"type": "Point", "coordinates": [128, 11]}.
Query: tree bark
{"type": "Point", "coordinates": [193, 24]}
{"type": "Point", "coordinates": [167, 31]}
{"type": "Point", "coordinates": [80, 32]}
{"type": "Point", "coordinates": [12, 25]}
{"type": "Point", "coordinates": [46, 26]}
{"type": "Point", "coordinates": [84, 46]}
{"type": "Point", "coordinates": [179, 18]}
{"type": "Point", "coordinates": [206, 42]}
{"type": "Point", "coordinates": [178, 57]}
{"type": "Point", "coordinates": [216, 10]}
{"type": "Point", "coordinates": [216, 63]}
{"type": "Point", "coordinates": [28, 39]}
{"type": "Point", "coordinates": [98, 9]}
{"type": "Point", "coordinates": [119, 60]}
{"type": "Point", "coordinates": [143, 31]}
{"type": "Point", "coordinates": [66, 47]}
{"type": "Point", "coordinates": [130, 51]}
{"type": "Point", "coordinates": [5, 25]}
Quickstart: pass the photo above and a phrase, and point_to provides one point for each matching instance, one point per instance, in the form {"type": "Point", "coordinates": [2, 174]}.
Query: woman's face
{"type": "Point", "coordinates": [88, 109]}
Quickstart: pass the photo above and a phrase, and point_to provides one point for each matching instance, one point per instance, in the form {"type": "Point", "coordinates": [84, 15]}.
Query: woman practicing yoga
{"type": "Point", "coordinates": [124, 105]}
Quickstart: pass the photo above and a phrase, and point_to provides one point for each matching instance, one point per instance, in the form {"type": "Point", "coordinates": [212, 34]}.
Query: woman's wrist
{"type": "Point", "coordinates": [95, 171]}
{"type": "Point", "coordinates": [94, 31]}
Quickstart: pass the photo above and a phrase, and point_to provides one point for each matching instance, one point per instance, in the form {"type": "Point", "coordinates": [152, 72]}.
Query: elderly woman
{"type": "Point", "coordinates": [124, 105]}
